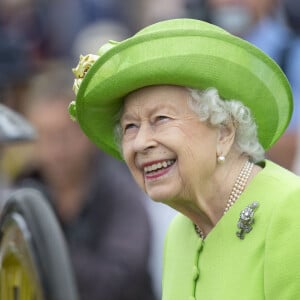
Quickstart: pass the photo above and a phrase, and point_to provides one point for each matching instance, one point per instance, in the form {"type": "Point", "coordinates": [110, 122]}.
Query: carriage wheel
{"type": "Point", "coordinates": [34, 261]}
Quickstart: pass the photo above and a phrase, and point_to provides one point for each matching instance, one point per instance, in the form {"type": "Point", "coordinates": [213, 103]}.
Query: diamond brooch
{"type": "Point", "coordinates": [246, 220]}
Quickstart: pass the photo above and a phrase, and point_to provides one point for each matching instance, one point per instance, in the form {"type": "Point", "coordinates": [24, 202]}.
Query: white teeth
{"type": "Point", "coordinates": [159, 165]}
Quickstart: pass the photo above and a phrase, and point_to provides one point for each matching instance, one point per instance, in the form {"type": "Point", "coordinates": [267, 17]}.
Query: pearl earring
{"type": "Point", "coordinates": [221, 159]}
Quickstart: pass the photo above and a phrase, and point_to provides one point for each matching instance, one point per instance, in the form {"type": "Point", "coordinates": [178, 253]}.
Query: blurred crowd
{"type": "Point", "coordinates": [115, 234]}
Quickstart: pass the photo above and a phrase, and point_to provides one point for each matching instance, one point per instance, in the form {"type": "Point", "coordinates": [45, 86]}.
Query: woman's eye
{"type": "Point", "coordinates": [129, 126]}
{"type": "Point", "coordinates": [162, 118]}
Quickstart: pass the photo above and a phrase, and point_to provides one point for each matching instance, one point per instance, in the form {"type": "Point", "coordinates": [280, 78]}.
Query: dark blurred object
{"type": "Point", "coordinates": [13, 127]}
{"type": "Point", "coordinates": [14, 63]}
{"type": "Point", "coordinates": [24, 21]}
{"type": "Point", "coordinates": [197, 9]}
{"type": "Point", "coordinates": [291, 10]}
{"type": "Point", "coordinates": [14, 67]}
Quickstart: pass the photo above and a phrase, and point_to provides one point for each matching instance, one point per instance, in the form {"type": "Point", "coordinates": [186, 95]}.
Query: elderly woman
{"type": "Point", "coordinates": [192, 109]}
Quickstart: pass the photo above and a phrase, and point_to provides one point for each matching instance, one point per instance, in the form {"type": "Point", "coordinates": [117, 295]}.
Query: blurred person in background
{"type": "Point", "coordinates": [156, 10]}
{"type": "Point", "coordinates": [291, 15]}
{"type": "Point", "coordinates": [47, 29]}
{"type": "Point", "coordinates": [261, 22]}
{"type": "Point", "coordinates": [64, 20]}
{"type": "Point", "coordinates": [291, 10]}
{"type": "Point", "coordinates": [107, 231]}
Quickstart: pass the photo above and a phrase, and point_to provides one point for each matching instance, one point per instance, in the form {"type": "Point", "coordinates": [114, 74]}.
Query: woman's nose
{"type": "Point", "coordinates": [144, 138]}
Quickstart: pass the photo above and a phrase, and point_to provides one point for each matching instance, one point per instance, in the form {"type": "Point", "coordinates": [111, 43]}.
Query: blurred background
{"type": "Point", "coordinates": [116, 249]}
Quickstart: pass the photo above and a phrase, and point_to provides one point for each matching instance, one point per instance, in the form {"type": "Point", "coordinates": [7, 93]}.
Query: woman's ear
{"type": "Point", "coordinates": [225, 139]}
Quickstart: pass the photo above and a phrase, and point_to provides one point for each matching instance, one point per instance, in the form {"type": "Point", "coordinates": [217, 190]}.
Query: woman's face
{"type": "Point", "coordinates": [170, 153]}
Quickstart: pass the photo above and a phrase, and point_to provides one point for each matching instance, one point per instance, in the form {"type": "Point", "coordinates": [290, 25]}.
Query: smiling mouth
{"type": "Point", "coordinates": [159, 166]}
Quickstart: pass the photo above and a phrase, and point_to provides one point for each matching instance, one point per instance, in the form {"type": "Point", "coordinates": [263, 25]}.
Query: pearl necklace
{"type": "Point", "coordinates": [237, 190]}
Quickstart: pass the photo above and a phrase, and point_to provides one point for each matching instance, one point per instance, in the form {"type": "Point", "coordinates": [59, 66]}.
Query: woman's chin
{"type": "Point", "coordinates": [160, 196]}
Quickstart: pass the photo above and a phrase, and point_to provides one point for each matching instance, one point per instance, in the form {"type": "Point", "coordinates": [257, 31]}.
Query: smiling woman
{"type": "Point", "coordinates": [196, 110]}
{"type": "Point", "coordinates": [176, 138]}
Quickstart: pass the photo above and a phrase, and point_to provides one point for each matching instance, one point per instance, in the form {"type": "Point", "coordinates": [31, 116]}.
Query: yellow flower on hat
{"type": "Point", "coordinates": [85, 62]}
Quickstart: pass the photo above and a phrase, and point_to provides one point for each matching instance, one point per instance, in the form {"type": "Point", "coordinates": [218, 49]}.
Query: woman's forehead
{"type": "Point", "coordinates": [171, 99]}
{"type": "Point", "coordinates": [157, 95]}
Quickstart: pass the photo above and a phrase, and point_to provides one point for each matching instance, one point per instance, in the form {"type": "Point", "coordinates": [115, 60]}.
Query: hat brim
{"type": "Point", "coordinates": [188, 57]}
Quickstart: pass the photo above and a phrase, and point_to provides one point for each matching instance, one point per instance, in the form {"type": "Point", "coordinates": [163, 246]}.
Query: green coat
{"type": "Point", "coordinates": [263, 265]}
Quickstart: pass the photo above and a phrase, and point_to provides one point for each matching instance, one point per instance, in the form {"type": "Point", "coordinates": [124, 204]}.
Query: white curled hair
{"type": "Point", "coordinates": [212, 109]}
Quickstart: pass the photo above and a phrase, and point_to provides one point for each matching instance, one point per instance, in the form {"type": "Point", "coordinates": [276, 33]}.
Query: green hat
{"type": "Point", "coordinates": [183, 52]}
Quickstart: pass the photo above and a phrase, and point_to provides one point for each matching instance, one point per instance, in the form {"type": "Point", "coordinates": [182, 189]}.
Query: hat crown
{"type": "Point", "coordinates": [180, 24]}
